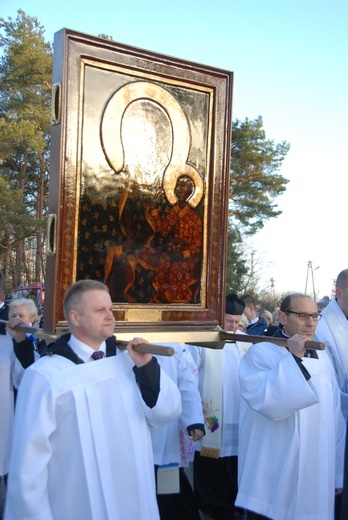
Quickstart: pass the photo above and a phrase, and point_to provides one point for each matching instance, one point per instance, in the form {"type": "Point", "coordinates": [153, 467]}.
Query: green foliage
{"type": "Point", "coordinates": [254, 182]}
{"type": "Point", "coordinates": [254, 185]}
{"type": "Point", "coordinates": [25, 98]}
{"type": "Point", "coordinates": [15, 222]}
{"type": "Point", "coordinates": [237, 269]}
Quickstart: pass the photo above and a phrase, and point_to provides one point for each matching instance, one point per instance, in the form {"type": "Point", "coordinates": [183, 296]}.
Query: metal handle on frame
{"type": "Point", "coordinates": [51, 234]}
{"type": "Point", "coordinates": [56, 103]}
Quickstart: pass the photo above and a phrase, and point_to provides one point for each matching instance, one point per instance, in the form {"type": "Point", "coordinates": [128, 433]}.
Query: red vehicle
{"type": "Point", "coordinates": [34, 291]}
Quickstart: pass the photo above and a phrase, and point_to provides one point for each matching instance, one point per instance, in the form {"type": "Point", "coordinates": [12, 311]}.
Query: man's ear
{"type": "Point", "coordinates": [282, 317]}
{"type": "Point", "coordinates": [74, 317]}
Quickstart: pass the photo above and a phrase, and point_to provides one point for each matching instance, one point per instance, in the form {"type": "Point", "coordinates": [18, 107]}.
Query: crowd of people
{"type": "Point", "coordinates": [262, 423]}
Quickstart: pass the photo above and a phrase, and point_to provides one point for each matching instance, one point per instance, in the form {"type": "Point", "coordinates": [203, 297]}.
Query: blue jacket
{"type": "Point", "coordinates": [258, 328]}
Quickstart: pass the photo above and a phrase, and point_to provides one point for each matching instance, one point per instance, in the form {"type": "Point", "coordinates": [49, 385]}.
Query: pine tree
{"type": "Point", "coordinates": [255, 183]}
{"type": "Point", "coordinates": [25, 97]}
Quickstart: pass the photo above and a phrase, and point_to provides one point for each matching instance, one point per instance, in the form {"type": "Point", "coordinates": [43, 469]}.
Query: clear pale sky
{"type": "Point", "coordinates": [290, 64]}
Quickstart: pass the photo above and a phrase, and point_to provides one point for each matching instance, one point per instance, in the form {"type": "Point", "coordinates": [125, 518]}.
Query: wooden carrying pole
{"type": "Point", "coordinates": [281, 342]}
{"type": "Point", "coordinates": [162, 350]}
{"type": "Point", "coordinates": [22, 327]}
{"type": "Point", "coordinates": [148, 348]}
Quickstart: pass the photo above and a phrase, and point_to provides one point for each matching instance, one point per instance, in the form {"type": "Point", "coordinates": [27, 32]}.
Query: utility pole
{"type": "Point", "coordinates": [311, 270]}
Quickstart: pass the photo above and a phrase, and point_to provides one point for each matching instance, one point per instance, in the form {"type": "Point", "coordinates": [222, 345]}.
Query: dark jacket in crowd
{"type": "Point", "coordinates": [258, 328]}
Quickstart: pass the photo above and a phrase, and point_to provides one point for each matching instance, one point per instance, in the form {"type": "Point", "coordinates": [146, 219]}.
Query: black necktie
{"type": "Point", "coordinates": [98, 354]}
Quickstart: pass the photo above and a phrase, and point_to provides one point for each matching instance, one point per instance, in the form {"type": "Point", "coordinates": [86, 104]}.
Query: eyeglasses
{"type": "Point", "coordinates": [304, 316]}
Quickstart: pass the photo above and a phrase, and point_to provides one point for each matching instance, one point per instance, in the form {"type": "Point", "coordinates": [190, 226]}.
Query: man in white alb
{"type": "Point", "coordinates": [82, 445]}
{"type": "Point", "coordinates": [292, 431]}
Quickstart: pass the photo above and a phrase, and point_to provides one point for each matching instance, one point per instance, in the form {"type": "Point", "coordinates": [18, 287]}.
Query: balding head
{"type": "Point", "coordinates": [342, 291]}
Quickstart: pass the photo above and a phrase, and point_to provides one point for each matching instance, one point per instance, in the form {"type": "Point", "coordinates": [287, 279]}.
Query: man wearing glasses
{"type": "Point", "coordinates": [292, 429]}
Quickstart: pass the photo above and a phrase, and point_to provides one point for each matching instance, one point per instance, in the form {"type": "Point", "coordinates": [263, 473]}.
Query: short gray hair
{"type": "Point", "coordinates": [25, 302]}
{"type": "Point", "coordinates": [73, 294]}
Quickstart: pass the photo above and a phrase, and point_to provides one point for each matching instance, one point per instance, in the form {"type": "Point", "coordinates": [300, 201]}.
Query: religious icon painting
{"type": "Point", "coordinates": [139, 182]}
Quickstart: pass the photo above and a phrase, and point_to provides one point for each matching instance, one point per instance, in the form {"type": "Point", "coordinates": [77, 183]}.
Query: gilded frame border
{"type": "Point", "coordinates": [99, 81]}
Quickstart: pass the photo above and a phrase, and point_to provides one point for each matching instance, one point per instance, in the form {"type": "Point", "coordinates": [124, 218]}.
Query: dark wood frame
{"type": "Point", "coordinates": [75, 55]}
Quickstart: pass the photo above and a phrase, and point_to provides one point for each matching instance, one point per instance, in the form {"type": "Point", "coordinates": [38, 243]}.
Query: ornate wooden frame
{"type": "Point", "coordinates": [127, 125]}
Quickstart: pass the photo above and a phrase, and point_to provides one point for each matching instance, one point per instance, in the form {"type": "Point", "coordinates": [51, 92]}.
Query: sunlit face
{"type": "Point", "coordinates": [342, 299]}
{"type": "Point", "coordinates": [20, 311]}
{"type": "Point", "coordinates": [293, 324]}
{"type": "Point", "coordinates": [232, 322]}
{"type": "Point", "coordinates": [93, 322]}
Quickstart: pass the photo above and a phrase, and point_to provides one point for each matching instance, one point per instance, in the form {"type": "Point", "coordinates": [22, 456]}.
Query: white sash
{"type": "Point", "coordinates": [212, 403]}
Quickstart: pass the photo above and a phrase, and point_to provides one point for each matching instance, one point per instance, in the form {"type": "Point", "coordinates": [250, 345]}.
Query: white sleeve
{"type": "Point", "coordinates": [31, 450]}
{"type": "Point", "coordinates": [272, 384]}
{"type": "Point", "coordinates": [168, 404]}
{"type": "Point", "coordinates": [192, 412]}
